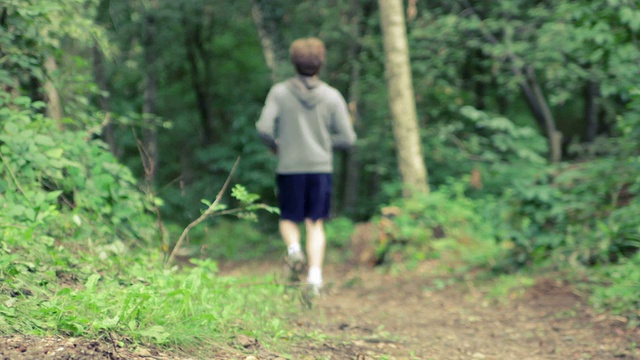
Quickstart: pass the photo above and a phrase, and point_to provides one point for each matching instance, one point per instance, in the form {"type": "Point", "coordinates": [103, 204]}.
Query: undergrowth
{"type": "Point", "coordinates": [133, 296]}
{"type": "Point", "coordinates": [571, 217]}
{"type": "Point", "coordinates": [80, 254]}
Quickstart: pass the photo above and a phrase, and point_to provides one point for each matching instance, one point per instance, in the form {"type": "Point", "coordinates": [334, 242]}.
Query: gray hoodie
{"type": "Point", "coordinates": [304, 119]}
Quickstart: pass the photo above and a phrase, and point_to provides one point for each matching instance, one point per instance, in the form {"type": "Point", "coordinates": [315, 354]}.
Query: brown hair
{"type": "Point", "coordinates": [307, 55]}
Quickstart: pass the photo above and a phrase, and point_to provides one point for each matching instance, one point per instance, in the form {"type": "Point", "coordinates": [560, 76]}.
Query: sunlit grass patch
{"type": "Point", "coordinates": [507, 287]}
{"type": "Point", "coordinates": [146, 303]}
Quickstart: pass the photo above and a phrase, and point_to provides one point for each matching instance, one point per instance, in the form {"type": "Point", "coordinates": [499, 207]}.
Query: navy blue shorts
{"type": "Point", "coordinates": [304, 196]}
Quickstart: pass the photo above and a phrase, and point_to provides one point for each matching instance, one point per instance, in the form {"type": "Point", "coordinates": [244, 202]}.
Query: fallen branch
{"type": "Point", "coordinates": [210, 210]}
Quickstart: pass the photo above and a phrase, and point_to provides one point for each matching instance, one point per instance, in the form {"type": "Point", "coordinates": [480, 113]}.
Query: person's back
{"type": "Point", "coordinates": [309, 118]}
{"type": "Point", "coordinates": [303, 120]}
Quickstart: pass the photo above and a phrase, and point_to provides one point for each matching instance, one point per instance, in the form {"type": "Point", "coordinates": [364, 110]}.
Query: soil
{"type": "Point", "coordinates": [368, 314]}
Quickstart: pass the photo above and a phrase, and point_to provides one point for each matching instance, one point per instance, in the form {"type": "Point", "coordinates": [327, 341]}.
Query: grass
{"type": "Point", "coordinates": [133, 296]}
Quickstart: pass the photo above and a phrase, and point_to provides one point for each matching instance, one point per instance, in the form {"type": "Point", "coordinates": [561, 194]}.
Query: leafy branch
{"type": "Point", "coordinates": [216, 209]}
{"type": "Point", "coordinates": [212, 209]}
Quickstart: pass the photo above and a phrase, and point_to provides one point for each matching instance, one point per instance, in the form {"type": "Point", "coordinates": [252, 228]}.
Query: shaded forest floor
{"type": "Point", "coordinates": [368, 314]}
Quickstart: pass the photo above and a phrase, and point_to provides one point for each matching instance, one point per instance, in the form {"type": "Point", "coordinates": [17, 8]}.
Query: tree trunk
{"type": "Point", "coordinates": [351, 164]}
{"type": "Point", "coordinates": [149, 131]}
{"type": "Point", "coordinates": [198, 79]}
{"type": "Point", "coordinates": [266, 40]}
{"type": "Point", "coordinates": [543, 114]}
{"type": "Point", "coordinates": [108, 135]}
{"type": "Point", "coordinates": [402, 99]}
{"type": "Point", "coordinates": [592, 93]}
{"type": "Point", "coordinates": [109, 129]}
{"type": "Point", "coordinates": [54, 105]}
{"type": "Point", "coordinates": [555, 137]}
{"type": "Point", "coordinates": [533, 94]}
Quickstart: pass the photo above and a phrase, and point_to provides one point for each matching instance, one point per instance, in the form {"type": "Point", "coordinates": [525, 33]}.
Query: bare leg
{"type": "Point", "coordinates": [290, 232]}
{"type": "Point", "coordinates": [316, 243]}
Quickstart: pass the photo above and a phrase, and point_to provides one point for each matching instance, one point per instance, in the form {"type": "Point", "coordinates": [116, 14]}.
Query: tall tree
{"type": "Point", "coordinates": [267, 40]}
{"type": "Point", "coordinates": [54, 106]}
{"type": "Point", "coordinates": [529, 84]}
{"type": "Point", "coordinates": [102, 100]}
{"type": "Point", "coordinates": [149, 132]}
{"type": "Point", "coordinates": [401, 98]}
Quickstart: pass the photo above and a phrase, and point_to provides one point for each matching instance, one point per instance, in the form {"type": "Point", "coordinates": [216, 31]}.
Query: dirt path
{"type": "Point", "coordinates": [369, 315]}
{"type": "Point", "coordinates": [366, 314]}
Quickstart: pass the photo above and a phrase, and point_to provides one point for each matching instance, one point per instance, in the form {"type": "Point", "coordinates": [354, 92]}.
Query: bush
{"type": "Point", "coordinates": [60, 184]}
{"type": "Point", "coordinates": [78, 256]}
{"type": "Point", "coordinates": [581, 213]}
{"type": "Point", "coordinates": [446, 220]}
{"type": "Point", "coordinates": [621, 288]}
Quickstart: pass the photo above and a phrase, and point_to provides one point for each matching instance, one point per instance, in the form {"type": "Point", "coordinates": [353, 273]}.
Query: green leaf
{"type": "Point", "coordinates": [63, 292]}
{"type": "Point", "coordinates": [11, 128]}
{"type": "Point", "coordinates": [91, 283]}
{"type": "Point", "coordinates": [156, 332]}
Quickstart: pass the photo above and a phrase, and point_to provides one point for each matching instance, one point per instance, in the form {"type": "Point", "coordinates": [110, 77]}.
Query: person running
{"type": "Point", "coordinates": [302, 121]}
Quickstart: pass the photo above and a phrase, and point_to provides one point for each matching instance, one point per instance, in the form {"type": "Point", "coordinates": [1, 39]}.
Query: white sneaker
{"type": "Point", "coordinates": [309, 292]}
{"type": "Point", "coordinates": [296, 262]}
{"type": "Point", "coordinates": [314, 289]}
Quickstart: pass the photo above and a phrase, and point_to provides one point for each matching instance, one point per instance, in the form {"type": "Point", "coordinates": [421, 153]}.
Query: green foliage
{"type": "Point", "coordinates": [84, 222]}
{"type": "Point", "coordinates": [502, 152]}
{"type": "Point", "coordinates": [474, 53]}
{"type": "Point", "coordinates": [40, 31]}
{"type": "Point", "coordinates": [226, 239]}
{"type": "Point", "coordinates": [131, 295]}
{"type": "Point", "coordinates": [443, 222]}
{"type": "Point", "coordinates": [620, 288]}
{"type": "Point", "coordinates": [338, 232]}
{"type": "Point", "coordinates": [62, 193]}
{"type": "Point", "coordinates": [58, 184]}
{"type": "Point", "coordinates": [506, 286]}
{"type": "Point", "coordinates": [579, 212]}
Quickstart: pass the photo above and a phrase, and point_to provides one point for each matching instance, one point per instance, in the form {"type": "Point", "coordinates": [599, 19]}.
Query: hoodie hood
{"type": "Point", "coordinates": [305, 89]}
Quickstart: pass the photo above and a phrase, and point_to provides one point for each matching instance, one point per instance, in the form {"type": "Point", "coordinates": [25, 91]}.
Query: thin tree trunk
{"type": "Point", "coordinates": [100, 75]}
{"type": "Point", "coordinates": [351, 163]}
{"type": "Point", "coordinates": [402, 99]}
{"type": "Point", "coordinates": [554, 136]}
{"type": "Point", "coordinates": [108, 131]}
{"type": "Point", "coordinates": [533, 94]}
{"type": "Point", "coordinates": [149, 132]}
{"type": "Point", "coordinates": [266, 40]}
{"type": "Point", "coordinates": [199, 85]}
{"type": "Point", "coordinates": [54, 105]}
{"type": "Point", "coordinates": [592, 94]}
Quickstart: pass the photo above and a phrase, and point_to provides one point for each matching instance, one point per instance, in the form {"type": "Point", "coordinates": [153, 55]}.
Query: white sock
{"type": "Point", "coordinates": [315, 275]}
{"type": "Point", "coordinates": [293, 248]}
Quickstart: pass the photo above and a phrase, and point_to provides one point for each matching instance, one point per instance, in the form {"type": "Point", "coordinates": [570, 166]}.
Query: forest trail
{"type": "Point", "coordinates": [367, 314]}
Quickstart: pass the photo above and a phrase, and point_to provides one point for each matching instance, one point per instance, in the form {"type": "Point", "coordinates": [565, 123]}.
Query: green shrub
{"type": "Point", "coordinates": [78, 256]}
{"type": "Point", "coordinates": [583, 212]}
{"type": "Point", "coordinates": [59, 184]}
{"type": "Point", "coordinates": [621, 287]}
{"type": "Point", "coordinates": [446, 220]}
{"type": "Point", "coordinates": [338, 232]}
{"type": "Point", "coordinates": [241, 239]}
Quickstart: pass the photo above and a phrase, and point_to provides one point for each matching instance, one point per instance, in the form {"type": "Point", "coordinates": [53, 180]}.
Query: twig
{"type": "Point", "coordinates": [204, 215]}
{"type": "Point", "coordinates": [94, 130]}
{"type": "Point", "coordinates": [463, 148]}
{"type": "Point", "coordinates": [147, 159]}
{"type": "Point", "coordinates": [13, 176]}
{"type": "Point", "coordinates": [149, 169]}
{"type": "Point", "coordinates": [113, 343]}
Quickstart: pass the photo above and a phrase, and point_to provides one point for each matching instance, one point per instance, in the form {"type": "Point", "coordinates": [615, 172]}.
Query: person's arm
{"type": "Point", "coordinates": [266, 125]}
{"type": "Point", "coordinates": [343, 136]}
